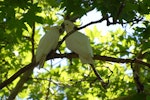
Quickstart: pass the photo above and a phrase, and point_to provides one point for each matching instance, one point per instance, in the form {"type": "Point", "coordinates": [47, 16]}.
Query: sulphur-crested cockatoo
{"type": "Point", "coordinates": [80, 44]}
{"type": "Point", "coordinates": [47, 43]}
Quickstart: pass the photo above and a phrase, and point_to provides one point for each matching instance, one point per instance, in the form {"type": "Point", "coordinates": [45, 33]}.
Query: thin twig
{"type": "Point", "coordinates": [32, 42]}
{"type": "Point", "coordinates": [103, 58]}
{"type": "Point", "coordinates": [122, 5]}
{"type": "Point", "coordinates": [48, 90]}
{"type": "Point", "coordinates": [93, 22]}
{"type": "Point", "coordinates": [27, 74]}
{"type": "Point", "coordinates": [104, 84]}
{"type": "Point", "coordinates": [48, 87]}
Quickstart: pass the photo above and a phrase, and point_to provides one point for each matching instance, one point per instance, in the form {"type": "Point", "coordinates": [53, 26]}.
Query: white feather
{"type": "Point", "coordinates": [47, 43]}
{"type": "Point", "coordinates": [79, 43]}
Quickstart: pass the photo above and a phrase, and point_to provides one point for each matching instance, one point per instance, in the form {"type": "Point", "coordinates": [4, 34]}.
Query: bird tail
{"type": "Point", "coordinates": [86, 60]}
{"type": "Point", "coordinates": [98, 76]}
{"type": "Point", "coordinates": [42, 61]}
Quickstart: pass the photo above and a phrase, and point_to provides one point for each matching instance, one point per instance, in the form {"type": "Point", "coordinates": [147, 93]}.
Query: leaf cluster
{"type": "Point", "coordinates": [69, 78]}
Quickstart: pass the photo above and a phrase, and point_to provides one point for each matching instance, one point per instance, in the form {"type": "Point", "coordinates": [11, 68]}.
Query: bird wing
{"type": "Point", "coordinates": [48, 42]}
{"type": "Point", "coordinates": [86, 59]}
{"type": "Point", "coordinates": [42, 61]}
{"type": "Point", "coordinates": [80, 44]}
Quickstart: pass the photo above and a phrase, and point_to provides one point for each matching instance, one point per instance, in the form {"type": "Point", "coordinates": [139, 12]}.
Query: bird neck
{"type": "Point", "coordinates": [70, 28]}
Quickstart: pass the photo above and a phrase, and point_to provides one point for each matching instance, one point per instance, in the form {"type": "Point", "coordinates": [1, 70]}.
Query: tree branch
{"type": "Point", "coordinates": [26, 74]}
{"type": "Point", "coordinates": [102, 58]}
{"type": "Point", "coordinates": [32, 40]}
{"type": "Point", "coordinates": [96, 57]}
{"type": "Point", "coordinates": [98, 21]}
{"type": "Point", "coordinates": [48, 89]}
{"type": "Point", "coordinates": [70, 56]}
{"type": "Point", "coordinates": [32, 65]}
{"type": "Point", "coordinates": [94, 22]}
{"type": "Point", "coordinates": [20, 84]}
{"type": "Point", "coordinates": [18, 73]}
{"type": "Point", "coordinates": [136, 72]}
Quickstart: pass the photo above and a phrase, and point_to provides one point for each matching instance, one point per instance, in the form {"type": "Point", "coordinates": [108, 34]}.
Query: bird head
{"type": "Point", "coordinates": [57, 29]}
{"type": "Point", "coordinates": [68, 26]}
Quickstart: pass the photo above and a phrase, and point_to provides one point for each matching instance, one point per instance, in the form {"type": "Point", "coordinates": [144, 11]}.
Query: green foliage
{"type": "Point", "coordinates": [70, 79]}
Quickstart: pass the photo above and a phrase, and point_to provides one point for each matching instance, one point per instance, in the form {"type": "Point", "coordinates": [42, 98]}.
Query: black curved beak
{"type": "Point", "coordinates": [61, 31]}
{"type": "Point", "coordinates": [63, 25]}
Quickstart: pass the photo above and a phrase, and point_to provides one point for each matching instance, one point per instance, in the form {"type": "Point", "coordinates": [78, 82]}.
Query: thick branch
{"type": "Point", "coordinates": [20, 84]}
{"type": "Point", "coordinates": [24, 69]}
{"type": "Point", "coordinates": [18, 73]}
{"type": "Point", "coordinates": [69, 56]}
{"type": "Point", "coordinates": [27, 74]}
{"type": "Point", "coordinates": [102, 58]}
{"type": "Point", "coordinates": [136, 73]}
{"type": "Point", "coordinates": [27, 67]}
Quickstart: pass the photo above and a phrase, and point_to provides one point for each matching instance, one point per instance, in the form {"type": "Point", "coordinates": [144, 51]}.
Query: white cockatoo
{"type": "Point", "coordinates": [47, 43]}
{"type": "Point", "coordinates": [80, 44]}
